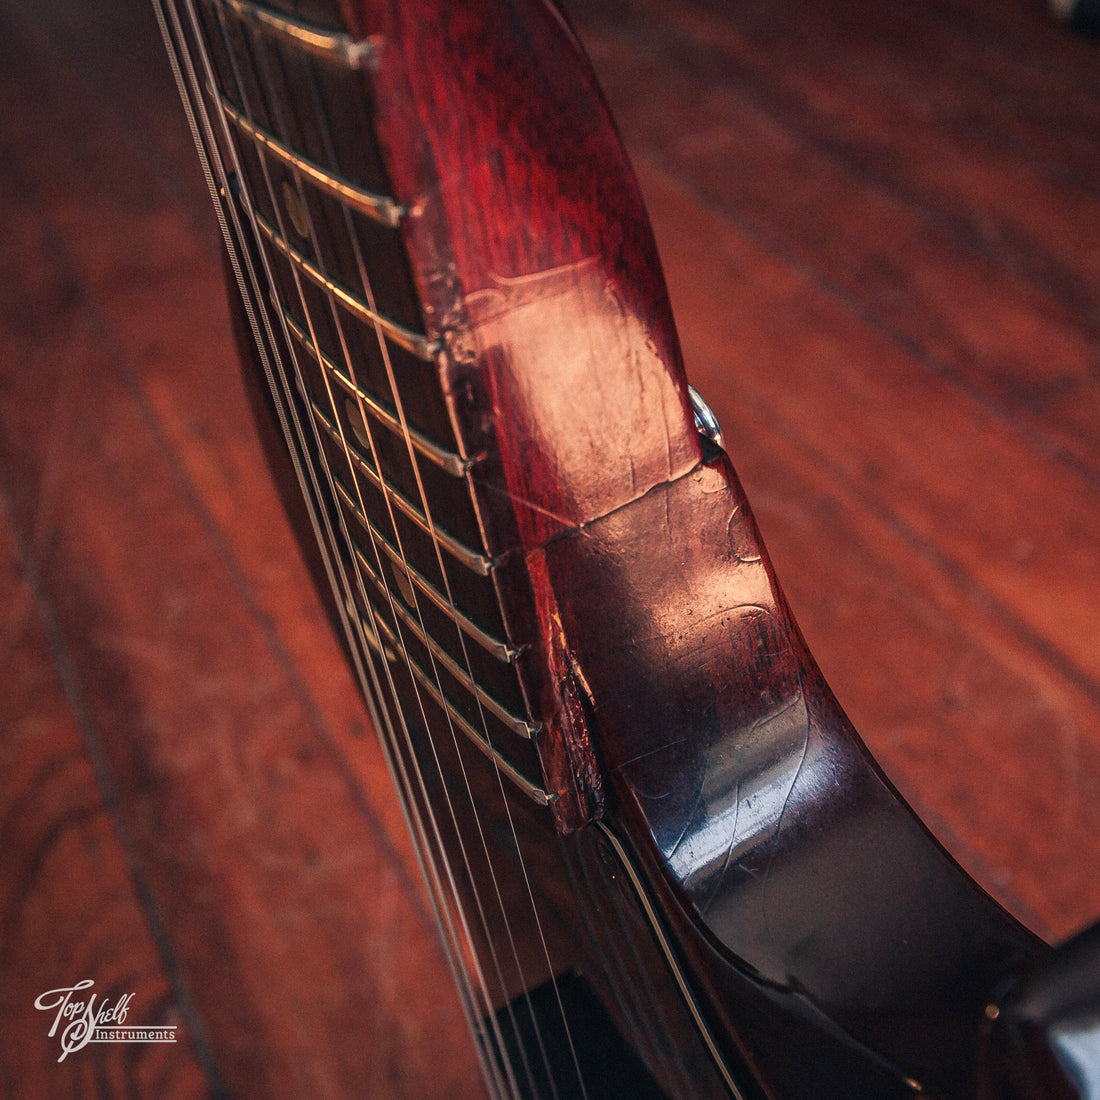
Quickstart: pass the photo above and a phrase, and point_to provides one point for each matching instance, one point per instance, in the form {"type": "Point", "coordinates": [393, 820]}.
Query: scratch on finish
{"type": "Point", "coordinates": [690, 816]}
{"type": "Point", "coordinates": [742, 744]}
{"type": "Point", "coordinates": [570, 527]}
{"type": "Point", "coordinates": [783, 812]}
{"type": "Point", "coordinates": [653, 752]}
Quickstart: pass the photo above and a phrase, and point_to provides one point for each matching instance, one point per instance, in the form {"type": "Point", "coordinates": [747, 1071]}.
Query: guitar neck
{"type": "Point", "coordinates": [456, 299]}
{"type": "Point", "coordinates": [399, 443]}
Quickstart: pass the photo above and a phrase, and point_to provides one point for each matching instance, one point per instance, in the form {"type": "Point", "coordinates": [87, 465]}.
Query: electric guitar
{"type": "Point", "coordinates": [661, 861]}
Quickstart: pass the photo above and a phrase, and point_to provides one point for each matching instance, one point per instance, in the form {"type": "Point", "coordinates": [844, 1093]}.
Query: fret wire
{"type": "Point", "coordinates": [428, 858]}
{"type": "Point", "coordinates": [500, 778]}
{"type": "Point", "coordinates": [464, 949]}
{"type": "Point", "coordinates": [436, 689]}
{"type": "Point", "coordinates": [517, 725]}
{"type": "Point", "coordinates": [321, 42]}
{"type": "Point", "coordinates": [415, 342]}
{"type": "Point", "coordinates": [499, 765]}
{"type": "Point", "coordinates": [503, 652]}
{"type": "Point", "coordinates": [446, 907]}
{"type": "Point", "coordinates": [381, 208]}
{"type": "Point", "coordinates": [504, 771]}
{"type": "Point", "coordinates": [456, 723]}
{"type": "Point", "coordinates": [471, 955]}
{"type": "Point", "coordinates": [470, 558]}
{"type": "Point", "coordinates": [453, 463]}
{"type": "Point", "coordinates": [386, 637]}
{"type": "Point", "coordinates": [337, 295]}
{"type": "Point", "coordinates": [418, 345]}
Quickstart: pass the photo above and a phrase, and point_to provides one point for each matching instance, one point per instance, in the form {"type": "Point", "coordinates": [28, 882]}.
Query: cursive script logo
{"type": "Point", "coordinates": [82, 1021]}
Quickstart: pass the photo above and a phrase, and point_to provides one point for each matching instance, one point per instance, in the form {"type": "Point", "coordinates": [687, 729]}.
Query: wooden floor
{"type": "Point", "coordinates": [881, 228]}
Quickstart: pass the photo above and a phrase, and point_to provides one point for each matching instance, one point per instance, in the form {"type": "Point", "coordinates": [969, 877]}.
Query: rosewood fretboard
{"type": "Point", "coordinates": [425, 555]}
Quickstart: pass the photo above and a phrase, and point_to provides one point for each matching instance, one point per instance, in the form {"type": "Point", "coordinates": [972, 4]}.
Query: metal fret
{"type": "Point", "coordinates": [503, 652]}
{"type": "Point", "coordinates": [322, 42]}
{"type": "Point", "coordinates": [415, 342]}
{"type": "Point", "coordinates": [381, 208]}
{"type": "Point", "coordinates": [453, 463]}
{"type": "Point", "coordinates": [388, 640]}
{"type": "Point", "coordinates": [470, 558]}
{"type": "Point", "coordinates": [519, 726]}
{"type": "Point", "coordinates": [463, 951]}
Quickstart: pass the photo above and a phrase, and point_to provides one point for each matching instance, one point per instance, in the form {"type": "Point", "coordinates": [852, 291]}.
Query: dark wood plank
{"type": "Point", "coordinates": [303, 939]}
{"type": "Point", "coordinates": [933, 154]}
{"type": "Point", "coordinates": [68, 908]}
{"type": "Point", "coordinates": [880, 233]}
{"type": "Point", "coordinates": [761, 225]}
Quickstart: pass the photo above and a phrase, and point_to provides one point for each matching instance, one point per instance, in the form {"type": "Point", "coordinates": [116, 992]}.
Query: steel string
{"type": "Point", "coordinates": [213, 168]}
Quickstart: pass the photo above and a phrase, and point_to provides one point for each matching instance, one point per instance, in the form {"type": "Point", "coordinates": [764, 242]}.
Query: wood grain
{"type": "Point", "coordinates": [868, 292]}
{"type": "Point", "coordinates": [69, 908]}
{"type": "Point", "coordinates": [879, 229]}
{"type": "Point", "coordinates": [194, 634]}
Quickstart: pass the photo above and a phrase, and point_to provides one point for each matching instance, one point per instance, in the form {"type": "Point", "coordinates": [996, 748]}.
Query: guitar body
{"type": "Point", "coordinates": [661, 859]}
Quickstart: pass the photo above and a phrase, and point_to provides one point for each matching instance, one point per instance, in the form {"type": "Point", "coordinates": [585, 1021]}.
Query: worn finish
{"type": "Point", "coordinates": [742, 785]}
{"type": "Point", "coordinates": [564, 260]}
{"type": "Point", "coordinates": [561, 254]}
{"type": "Point", "coordinates": [736, 782]}
{"type": "Point", "coordinates": [890, 389]}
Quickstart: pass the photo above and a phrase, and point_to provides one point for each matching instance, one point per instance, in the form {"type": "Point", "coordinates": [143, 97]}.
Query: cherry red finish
{"type": "Point", "coordinates": [829, 943]}
{"type": "Point", "coordinates": [536, 265]}
{"type": "Point", "coordinates": [533, 251]}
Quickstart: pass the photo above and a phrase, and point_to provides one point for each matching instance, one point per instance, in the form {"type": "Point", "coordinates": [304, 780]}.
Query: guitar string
{"type": "Point", "coordinates": [681, 1068]}
{"type": "Point", "coordinates": [230, 53]}
{"type": "Point", "coordinates": [511, 823]}
{"type": "Point", "coordinates": [347, 358]}
{"type": "Point", "coordinates": [645, 1018]}
{"type": "Point", "coordinates": [414, 461]}
{"type": "Point", "coordinates": [349, 364]}
{"type": "Point", "coordinates": [416, 471]}
{"type": "Point", "coordinates": [352, 237]}
{"type": "Point", "coordinates": [421, 491]}
{"type": "Point", "coordinates": [655, 1012]}
{"type": "Point", "coordinates": [190, 90]}
{"type": "Point", "coordinates": [282, 416]}
{"type": "Point", "coordinates": [416, 830]}
{"type": "Point", "coordinates": [618, 900]}
{"type": "Point", "coordinates": [610, 960]}
{"type": "Point", "coordinates": [414, 822]}
{"type": "Point", "coordinates": [645, 1013]}
{"type": "Point", "coordinates": [394, 389]}
{"type": "Point", "coordinates": [365, 282]}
